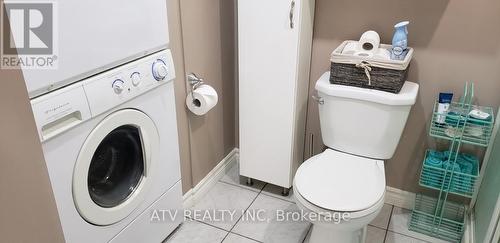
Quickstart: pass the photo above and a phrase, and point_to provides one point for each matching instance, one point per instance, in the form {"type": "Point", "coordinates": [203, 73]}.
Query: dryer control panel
{"type": "Point", "coordinates": [67, 107]}
{"type": "Point", "coordinates": [112, 88]}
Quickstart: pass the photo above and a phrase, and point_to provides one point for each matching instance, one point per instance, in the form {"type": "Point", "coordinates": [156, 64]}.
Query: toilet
{"type": "Point", "coordinates": [345, 185]}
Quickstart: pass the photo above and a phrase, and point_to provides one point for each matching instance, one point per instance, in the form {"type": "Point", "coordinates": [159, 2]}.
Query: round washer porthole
{"type": "Point", "coordinates": [117, 167]}
{"type": "Point", "coordinates": [111, 173]}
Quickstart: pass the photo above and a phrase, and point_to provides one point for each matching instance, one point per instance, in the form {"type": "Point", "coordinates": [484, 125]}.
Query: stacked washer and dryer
{"type": "Point", "coordinates": [107, 122]}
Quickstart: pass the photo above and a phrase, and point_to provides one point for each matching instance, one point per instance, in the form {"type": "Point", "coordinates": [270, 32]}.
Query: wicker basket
{"type": "Point", "coordinates": [366, 72]}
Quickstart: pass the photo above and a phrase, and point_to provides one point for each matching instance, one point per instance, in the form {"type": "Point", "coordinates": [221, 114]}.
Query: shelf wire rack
{"type": "Point", "coordinates": [439, 217]}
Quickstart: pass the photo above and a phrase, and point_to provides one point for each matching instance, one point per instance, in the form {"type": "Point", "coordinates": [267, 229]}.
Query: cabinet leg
{"type": "Point", "coordinates": [249, 182]}
{"type": "Point", "coordinates": [285, 192]}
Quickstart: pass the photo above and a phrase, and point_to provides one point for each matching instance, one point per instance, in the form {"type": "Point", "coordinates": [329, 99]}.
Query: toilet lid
{"type": "Point", "coordinates": [341, 182]}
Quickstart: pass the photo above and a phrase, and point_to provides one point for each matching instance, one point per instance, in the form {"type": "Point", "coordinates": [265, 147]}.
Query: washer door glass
{"type": "Point", "coordinates": [112, 172]}
{"type": "Point", "coordinates": [117, 167]}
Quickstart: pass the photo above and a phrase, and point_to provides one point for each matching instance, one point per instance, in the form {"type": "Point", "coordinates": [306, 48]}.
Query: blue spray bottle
{"type": "Point", "coordinates": [400, 41]}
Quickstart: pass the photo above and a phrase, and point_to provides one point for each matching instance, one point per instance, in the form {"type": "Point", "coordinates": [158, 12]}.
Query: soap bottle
{"type": "Point", "coordinates": [400, 41]}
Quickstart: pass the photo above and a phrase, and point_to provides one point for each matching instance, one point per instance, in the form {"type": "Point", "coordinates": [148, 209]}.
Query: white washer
{"type": "Point", "coordinates": [111, 147]}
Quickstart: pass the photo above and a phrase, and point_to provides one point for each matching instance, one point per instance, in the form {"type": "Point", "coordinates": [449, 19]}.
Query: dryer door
{"type": "Point", "coordinates": [111, 173]}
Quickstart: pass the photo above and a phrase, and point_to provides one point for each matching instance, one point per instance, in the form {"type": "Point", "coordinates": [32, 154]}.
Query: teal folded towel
{"type": "Point", "coordinates": [434, 159]}
{"type": "Point", "coordinates": [465, 165]}
{"type": "Point", "coordinates": [436, 154]}
{"type": "Point", "coordinates": [455, 119]}
{"type": "Point", "coordinates": [468, 157]}
{"type": "Point", "coordinates": [450, 167]}
{"type": "Point", "coordinates": [435, 162]}
{"type": "Point", "coordinates": [468, 164]}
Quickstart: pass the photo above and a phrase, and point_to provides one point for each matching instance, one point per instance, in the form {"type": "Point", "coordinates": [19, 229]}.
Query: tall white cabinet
{"type": "Point", "coordinates": [274, 42]}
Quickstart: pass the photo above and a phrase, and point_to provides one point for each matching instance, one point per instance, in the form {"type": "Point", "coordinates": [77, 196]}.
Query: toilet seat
{"type": "Point", "coordinates": [341, 182]}
{"type": "Point", "coordinates": [301, 201]}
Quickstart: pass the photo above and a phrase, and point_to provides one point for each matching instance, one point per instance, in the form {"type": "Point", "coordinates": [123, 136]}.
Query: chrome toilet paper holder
{"type": "Point", "coordinates": [195, 82]}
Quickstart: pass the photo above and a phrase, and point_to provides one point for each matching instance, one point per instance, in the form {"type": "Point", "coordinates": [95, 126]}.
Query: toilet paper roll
{"type": "Point", "coordinates": [202, 99]}
{"type": "Point", "coordinates": [369, 42]}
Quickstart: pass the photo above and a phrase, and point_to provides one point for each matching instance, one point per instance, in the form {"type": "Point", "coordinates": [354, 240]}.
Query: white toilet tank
{"type": "Point", "coordinates": [362, 121]}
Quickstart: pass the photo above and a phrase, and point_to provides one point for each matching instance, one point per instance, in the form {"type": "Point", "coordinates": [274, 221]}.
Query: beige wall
{"type": "Point", "coordinates": [176, 47]}
{"type": "Point", "coordinates": [27, 208]}
{"type": "Point", "coordinates": [202, 41]}
{"type": "Point", "coordinates": [208, 44]}
{"type": "Point", "coordinates": [28, 211]}
{"type": "Point", "coordinates": [454, 40]}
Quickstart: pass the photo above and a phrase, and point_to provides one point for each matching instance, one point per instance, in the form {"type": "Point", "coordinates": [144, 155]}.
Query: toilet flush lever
{"type": "Point", "coordinates": [318, 99]}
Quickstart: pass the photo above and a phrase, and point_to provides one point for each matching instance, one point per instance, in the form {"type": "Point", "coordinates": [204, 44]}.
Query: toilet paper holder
{"type": "Point", "coordinates": [195, 82]}
{"type": "Point", "coordinates": [203, 96]}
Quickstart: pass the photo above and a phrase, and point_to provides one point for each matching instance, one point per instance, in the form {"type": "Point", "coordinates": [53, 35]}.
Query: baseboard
{"type": "Point", "coordinates": [192, 196]}
{"type": "Point", "coordinates": [399, 198]}
{"type": "Point", "coordinates": [393, 196]}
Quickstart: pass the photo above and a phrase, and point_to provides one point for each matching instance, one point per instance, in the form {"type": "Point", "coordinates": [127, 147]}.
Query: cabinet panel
{"type": "Point", "coordinates": [268, 60]}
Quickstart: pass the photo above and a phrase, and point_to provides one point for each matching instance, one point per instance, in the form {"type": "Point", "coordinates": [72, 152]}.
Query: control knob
{"type": "Point", "coordinates": [136, 78]}
{"type": "Point", "coordinates": [160, 70]}
{"type": "Point", "coordinates": [118, 86]}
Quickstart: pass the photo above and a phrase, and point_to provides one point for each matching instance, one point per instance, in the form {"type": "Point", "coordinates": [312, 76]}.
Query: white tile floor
{"type": "Point", "coordinates": [231, 193]}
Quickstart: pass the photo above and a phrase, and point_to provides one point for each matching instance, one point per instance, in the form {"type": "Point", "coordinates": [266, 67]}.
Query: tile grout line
{"type": "Point", "coordinates": [388, 223]}
{"type": "Point", "coordinates": [213, 226]}
{"type": "Point", "coordinates": [223, 239]}
{"type": "Point", "coordinates": [207, 224]}
{"type": "Point", "coordinates": [172, 233]}
{"type": "Point", "coordinates": [258, 194]}
{"type": "Point", "coordinates": [242, 186]}
{"type": "Point", "coordinates": [280, 198]}
{"type": "Point", "coordinates": [276, 196]}
{"type": "Point", "coordinates": [413, 237]}
{"type": "Point", "coordinates": [259, 191]}
{"type": "Point", "coordinates": [246, 237]}
{"type": "Point", "coordinates": [378, 227]}
{"type": "Point", "coordinates": [237, 221]}
{"type": "Point", "coordinates": [307, 234]}
{"type": "Point", "coordinates": [400, 233]}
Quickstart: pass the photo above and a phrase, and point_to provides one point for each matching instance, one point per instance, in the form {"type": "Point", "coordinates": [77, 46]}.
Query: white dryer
{"type": "Point", "coordinates": [91, 36]}
{"type": "Point", "coordinates": [111, 147]}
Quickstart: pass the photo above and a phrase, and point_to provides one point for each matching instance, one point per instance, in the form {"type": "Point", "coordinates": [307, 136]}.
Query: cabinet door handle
{"type": "Point", "coordinates": [292, 7]}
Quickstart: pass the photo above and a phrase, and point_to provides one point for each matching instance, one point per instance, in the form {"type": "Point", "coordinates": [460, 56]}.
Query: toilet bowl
{"type": "Point", "coordinates": [361, 128]}
{"type": "Point", "coordinates": [345, 191]}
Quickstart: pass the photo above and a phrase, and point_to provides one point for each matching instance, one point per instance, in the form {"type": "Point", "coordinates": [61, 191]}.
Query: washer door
{"type": "Point", "coordinates": [110, 178]}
